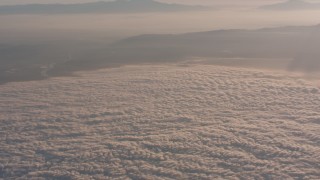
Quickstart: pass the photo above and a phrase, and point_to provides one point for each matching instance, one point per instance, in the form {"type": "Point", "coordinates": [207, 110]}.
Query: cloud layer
{"type": "Point", "coordinates": [161, 122]}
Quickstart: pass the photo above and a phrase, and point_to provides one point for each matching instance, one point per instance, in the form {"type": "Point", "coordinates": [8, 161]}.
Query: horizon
{"type": "Point", "coordinates": [160, 91]}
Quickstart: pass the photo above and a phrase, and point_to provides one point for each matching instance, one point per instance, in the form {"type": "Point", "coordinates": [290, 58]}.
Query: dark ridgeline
{"type": "Point", "coordinates": [118, 6]}
{"type": "Point", "coordinates": [37, 62]}
{"type": "Point", "coordinates": [292, 5]}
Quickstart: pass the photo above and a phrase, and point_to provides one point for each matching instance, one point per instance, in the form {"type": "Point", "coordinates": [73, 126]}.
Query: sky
{"type": "Point", "coordinates": [117, 26]}
{"type": "Point", "coordinates": [205, 2]}
{"type": "Point", "coordinates": [238, 3]}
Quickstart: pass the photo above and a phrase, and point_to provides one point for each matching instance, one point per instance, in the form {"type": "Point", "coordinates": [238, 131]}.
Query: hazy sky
{"type": "Point", "coordinates": [211, 2]}
{"type": "Point", "coordinates": [200, 2]}
{"type": "Point", "coordinates": [116, 26]}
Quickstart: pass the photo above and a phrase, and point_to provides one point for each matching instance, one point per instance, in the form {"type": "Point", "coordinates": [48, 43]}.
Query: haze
{"type": "Point", "coordinates": [205, 2]}
{"type": "Point", "coordinates": [145, 89]}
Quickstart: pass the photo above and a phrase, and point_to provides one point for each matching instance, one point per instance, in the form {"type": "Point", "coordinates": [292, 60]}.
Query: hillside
{"type": "Point", "coordinates": [299, 44]}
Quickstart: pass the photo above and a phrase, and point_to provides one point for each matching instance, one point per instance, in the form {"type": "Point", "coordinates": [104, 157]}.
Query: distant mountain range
{"type": "Point", "coordinates": [299, 44]}
{"type": "Point", "coordinates": [117, 6]}
{"type": "Point", "coordinates": [292, 5]}
{"type": "Point", "coordinates": [286, 42]}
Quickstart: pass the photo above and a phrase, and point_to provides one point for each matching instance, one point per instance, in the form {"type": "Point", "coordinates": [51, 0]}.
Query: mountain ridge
{"type": "Point", "coordinates": [117, 6]}
{"type": "Point", "coordinates": [292, 5]}
{"type": "Point", "coordinates": [297, 43]}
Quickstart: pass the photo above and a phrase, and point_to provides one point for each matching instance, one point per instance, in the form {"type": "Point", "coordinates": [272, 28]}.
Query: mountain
{"type": "Point", "coordinates": [283, 42]}
{"type": "Point", "coordinates": [298, 44]}
{"type": "Point", "coordinates": [117, 6]}
{"type": "Point", "coordinates": [292, 5]}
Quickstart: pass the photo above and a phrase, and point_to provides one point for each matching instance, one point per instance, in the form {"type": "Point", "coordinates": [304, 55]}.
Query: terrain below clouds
{"type": "Point", "coordinates": [36, 61]}
{"type": "Point", "coordinates": [161, 122]}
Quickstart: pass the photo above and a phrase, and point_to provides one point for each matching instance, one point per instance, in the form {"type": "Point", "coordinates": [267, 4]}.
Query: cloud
{"type": "Point", "coordinates": [156, 122]}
